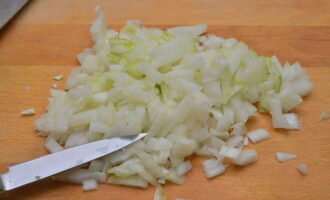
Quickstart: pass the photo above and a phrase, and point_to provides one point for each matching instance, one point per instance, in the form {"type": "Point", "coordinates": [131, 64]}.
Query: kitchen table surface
{"type": "Point", "coordinates": [44, 38]}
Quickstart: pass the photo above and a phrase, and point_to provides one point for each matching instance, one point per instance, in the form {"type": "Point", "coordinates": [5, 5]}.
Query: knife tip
{"type": "Point", "coordinates": [141, 135]}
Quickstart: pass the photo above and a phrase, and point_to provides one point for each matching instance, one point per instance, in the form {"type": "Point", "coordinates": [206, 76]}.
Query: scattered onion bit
{"type": "Point", "coordinates": [58, 77]}
{"type": "Point", "coordinates": [54, 86]}
{"type": "Point", "coordinates": [302, 168]}
{"type": "Point", "coordinates": [246, 157]}
{"type": "Point", "coordinates": [27, 112]}
{"type": "Point", "coordinates": [283, 157]}
{"type": "Point", "coordinates": [27, 88]}
{"type": "Point", "coordinates": [324, 115]}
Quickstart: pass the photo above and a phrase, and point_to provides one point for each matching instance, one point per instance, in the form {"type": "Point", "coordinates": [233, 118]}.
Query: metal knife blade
{"type": "Point", "coordinates": [8, 8]}
{"type": "Point", "coordinates": [51, 164]}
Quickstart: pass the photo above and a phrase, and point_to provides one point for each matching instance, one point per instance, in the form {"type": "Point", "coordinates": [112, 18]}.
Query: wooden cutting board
{"type": "Point", "coordinates": [44, 39]}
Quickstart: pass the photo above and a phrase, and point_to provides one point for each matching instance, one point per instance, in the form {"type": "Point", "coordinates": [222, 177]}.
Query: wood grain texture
{"type": "Point", "coordinates": [44, 39]}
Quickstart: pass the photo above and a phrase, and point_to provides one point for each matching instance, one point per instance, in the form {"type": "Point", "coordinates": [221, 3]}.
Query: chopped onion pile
{"type": "Point", "coordinates": [193, 93]}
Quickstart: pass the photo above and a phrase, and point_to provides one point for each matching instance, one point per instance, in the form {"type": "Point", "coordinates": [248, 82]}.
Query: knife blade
{"type": "Point", "coordinates": [34, 170]}
{"type": "Point", "coordinates": [8, 8]}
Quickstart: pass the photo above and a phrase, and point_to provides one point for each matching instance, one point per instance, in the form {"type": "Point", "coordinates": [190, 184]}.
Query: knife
{"type": "Point", "coordinates": [37, 169]}
{"type": "Point", "coordinates": [8, 8]}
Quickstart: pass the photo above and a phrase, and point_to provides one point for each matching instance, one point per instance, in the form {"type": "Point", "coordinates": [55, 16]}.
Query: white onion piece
{"type": "Point", "coordinates": [324, 116]}
{"type": "Point", "coordinates": [75, 139]}
{"type": "Point", "coordinates": [258, 135]}
{"type": "Point", "coordinates": [183, 168]}
{"type": "Point", "coordinates": [96, 166]}
{"type": "Point", "coordinates": [184, 30]}
{"type": "Point", "coordinates": [27, 112]}
{"type": "Point", "coordinates": [213, 167]}
{"type": "Point", "coordinates": [79, 175]}
{"type": "Point", "coordinates": [52, 146]}
{"type": "Point", "coordinates": [58, 77]}
{"type": "Point", "coordinates": [162, 180]}
{"type": "Point", "coordinates": [151, 73]}
{"type": "Point", "coordinates": [54, 86]}
{"type": "Point", "coordinates": [238, 129]}
{"type": "Point", "coordinates": [283, 157]}
{"type": "Point", "coordinates": [89, 184]}
{"type": "Point", "coordinates": [302, 168]}
{"type": "Point", "coordinates": [246, 157]}
{"type": "Point", "coordinates": [159, 193]}
{"type": "Point", "coordinates": [172, 176]}
{"type": "Point", "coordinates": [293, 121]}
{"type": "Point", "coordinates": [246, 141]}
{"type": "Point", "coordinates": [235, 141]}
{"type": "Point", "coordinates": [134, 181]}
{"type": "Point", "coordinates": [229, 152]}
{"type": "Point", "coordinates": [230, 42]}
{"type": "Point", "coordinates": [204, 151]}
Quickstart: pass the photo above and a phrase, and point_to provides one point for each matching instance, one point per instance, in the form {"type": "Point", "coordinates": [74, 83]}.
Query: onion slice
{"type": "Point", "coordinates": [27, 112]}
{"type": "Point", "coordinates": [283, 157]}
{"type": "Point", "coordinates": [258, 135]}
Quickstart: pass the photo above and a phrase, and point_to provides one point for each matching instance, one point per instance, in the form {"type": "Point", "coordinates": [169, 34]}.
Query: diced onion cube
{"type": "Point", "coordinates": [213, 167]}
{"type": "Point", "coordinates": [246, 157]}
{"type": "Point", "coordinates": [258, 135]}
{"type": "Point", "coordinates": [52, 146]}
{"type": "Point", "coordinates": [89, 184]}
